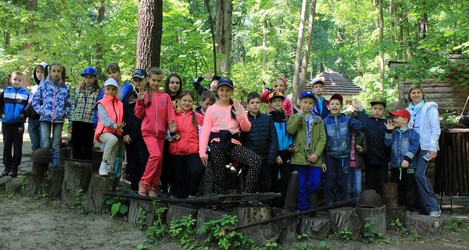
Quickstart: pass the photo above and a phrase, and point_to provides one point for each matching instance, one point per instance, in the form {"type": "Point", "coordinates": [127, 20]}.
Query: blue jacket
{"type": "Point", "coordinates": [325, 111]}
{"type": "Point", "coordinates": [378, 153]}
{"type": "Point", "coordinates": [52, 102]}
{"type": "Point", "coordinates": [280, 123]}
{"type": "Point", "coordinates": [12, 104]}
{"type": "Point", "coordinates": [338, 134]}
{"type": "Point", "coordinates": [262, 139]}
{"type": "Point", "coordinates": [404, 146]}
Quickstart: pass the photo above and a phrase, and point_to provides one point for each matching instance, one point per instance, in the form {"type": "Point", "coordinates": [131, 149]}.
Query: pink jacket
{"type": "Point", "coordinates": [286, 103]}
{"type": "Point", "coordinates": [219, 118]}
{"type": "Point", "coordinates": [188, 143]}
{"type": "Point", "coordinates": [156, 117]}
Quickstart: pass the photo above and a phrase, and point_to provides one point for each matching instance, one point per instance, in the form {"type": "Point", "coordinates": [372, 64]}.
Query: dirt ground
{"type": "Point", "coordinates": [39, 223]}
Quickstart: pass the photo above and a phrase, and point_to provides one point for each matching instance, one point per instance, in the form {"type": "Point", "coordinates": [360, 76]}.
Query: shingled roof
{"type": "Point", "coordinates": [337, 83]}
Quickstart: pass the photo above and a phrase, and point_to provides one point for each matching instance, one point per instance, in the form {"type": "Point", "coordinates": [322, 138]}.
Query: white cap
{"type": "Point", "coordinates": [318, 79]}
{"type": "Point", "coordinates": [111, 82]}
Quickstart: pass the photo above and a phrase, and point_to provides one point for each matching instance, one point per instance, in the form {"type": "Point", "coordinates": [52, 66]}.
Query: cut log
{"type": "Point", "coordinates": [176, 212]}
{"type": "Point", "coordinates": [94, 198]}
{"type": "Point", "coordinates": [375, 216]}
{"type": "Point", "coordinates": [427, 226]}
{"type": "Point", "coordinates": [65, 153]}
{"type": "Point", "coordinates": [260, 234]}
{"type": "Point", "coordinates": [39, 169]}
{"type": "Point", "coordinates": [390, 195]}
{"type": "Point", "coordinates": [393, 214]}
{"type": "Point", "coordinates": [287, 227]}
{"type": "Point", "coordinates": [34, 185]}
{"type": "Point", "coordinates": [141, 213]}
{"type": "Point", "coordinates": [76, 181]}
{"type": "Point", "coordinates": [315, 227]}
{"type": "Point", "coordinates": [208, 214]}
{"type": "Point", "coordinates": [345, 218]}
{"type": "Point", "coordinates": [54, 182]}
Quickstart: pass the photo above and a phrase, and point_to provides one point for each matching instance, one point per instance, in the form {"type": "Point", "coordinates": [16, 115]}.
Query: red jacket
{"type": "Point", "coordinates": [156, 117]}
{"type": "Point", "coordinates": [115, 111]}
{"type": "Point", "coordinates": [188, 143]}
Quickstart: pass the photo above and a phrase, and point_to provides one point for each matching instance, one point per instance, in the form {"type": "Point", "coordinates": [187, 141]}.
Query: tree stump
{"type": "Point", "coordinates": [96, 157]}
{"type": "Point", "coordinates": [34, 185]}
{"type": "Point", "coordinates": [3, 181]}
{"type": "Point", "coordinates": [39, 169]}
{"type": "Point", "coordinates": [287, 226]}
{"type": "Point", "coordinates": [261, 234]}
{"type": "Point", "coordinates": [393, 214]}
{"type": "Point", "coordinates": [54, 182]}
{"type": "Point", "coordinates": [208, 214]}
{"type": "Point", "coordinates": [376, 216]}
{"type": "Point", "coordinates": [345, 218]}
{"type": "Point", "coordinates": [427, 226]}
{"type": "Point", "coordinates": [65, 153]}
{"type": "Point", "coordinates": [315, 227]}
{"type": "Point", "coordinates": [94, 198]}
{"type": "Point", "coordinates": [390, 195]}
{"type": "Point", "coordinates": [176, 212]}
{"type": "Point", "coordinates": [76, 181]}
{"type": "Point", "coordinates": [14, 185]}
{"type": "Point", "coordinates": [142, 213]}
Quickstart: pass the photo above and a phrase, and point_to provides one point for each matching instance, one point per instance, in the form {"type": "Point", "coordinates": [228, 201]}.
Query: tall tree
{"type": "Point", "coordinates": [212, 33]}
{"type": "Point", "coordinates": [309, 38]}
{"type": "Point", "coordinates": [299, 46]}
{"type": "Point", "coordinates": [150, 31]}
{"type": "Point", "coordinates": [99, 46]}
{"type": "Point", "coordinates": [224, 35]}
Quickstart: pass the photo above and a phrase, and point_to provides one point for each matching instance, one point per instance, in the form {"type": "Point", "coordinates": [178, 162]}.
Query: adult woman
{"type": "Point", "coordinates": [425, 120]}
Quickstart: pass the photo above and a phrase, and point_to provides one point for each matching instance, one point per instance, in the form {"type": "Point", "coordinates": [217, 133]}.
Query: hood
{"type": "Point", "coordinates": [285, 81]}
{"type": "Point", "coordinates": [44, 65]}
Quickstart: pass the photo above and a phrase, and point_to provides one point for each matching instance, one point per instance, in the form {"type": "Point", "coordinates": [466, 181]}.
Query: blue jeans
{"type": "Point", "coordinates": [34, 130]}
{"type": "Point", "coordinates": [53, 143]}
{"type": "Point", "coordinates": [424, 186]}
{"type": "Point", "coordinates": [336, 179]}
{"type": "Point", "coordinates": [354, 186]}
{"type": "Point", "coordinates": [309, 179]}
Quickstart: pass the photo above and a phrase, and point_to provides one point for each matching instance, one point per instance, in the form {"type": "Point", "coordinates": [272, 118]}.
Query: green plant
{"type": "Point", "coordinates": [415, 236]}
{"type": "Point", "coordinates": [455, 226]}
{"type": "Point", "coordinates": [215, 231]}
{"type": "Point", "coordinates": [117, 206]}
{"type": "Point", "coordinates": [156, 231]}
{"type": "Point", "coordinates": [399, 228]}
{"type": "Point", "coordinates": [183, 230]}
{"type": "Point", "coordinates": [302, 236]}
{"type": "Point", "coordinates": [323, 245]}
{"type": "Point", "coordinates": [270, 245]}
{"type": "Point", "coordinates": [142, 216]}
{"type": "Point", "coordinates": [142, 246]}
{"type": "Point", "coordinates": [371, 236]}
{"type": "Point", "coordinates": [304, 246]}
{"type": "Point", "coordinates": [345, 234]}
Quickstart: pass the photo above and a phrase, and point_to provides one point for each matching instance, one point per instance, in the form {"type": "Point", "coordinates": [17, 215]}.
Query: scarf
{"type": "Point", "coordinates": [416, 108]}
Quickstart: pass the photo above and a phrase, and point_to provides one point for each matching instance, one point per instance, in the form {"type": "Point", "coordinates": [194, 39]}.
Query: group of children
{"type": "Point", "coordinates": [166, 140]}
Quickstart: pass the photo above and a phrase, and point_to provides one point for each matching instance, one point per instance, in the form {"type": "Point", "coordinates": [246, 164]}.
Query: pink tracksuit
{"type": "Point", "coordinates": [156, 118]}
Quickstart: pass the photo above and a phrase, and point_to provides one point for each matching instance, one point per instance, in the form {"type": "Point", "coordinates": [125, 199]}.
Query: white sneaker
{"type": "Point", "coordinates": [435, 214]}
{"type": "Point", "coordinates": [102, 169]}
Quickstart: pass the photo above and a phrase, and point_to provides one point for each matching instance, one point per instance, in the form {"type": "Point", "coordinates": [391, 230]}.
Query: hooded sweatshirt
{"type": "Point", "coordinates": [287, 107]}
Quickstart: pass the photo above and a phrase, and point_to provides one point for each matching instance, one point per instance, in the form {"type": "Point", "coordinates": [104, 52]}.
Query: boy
{"type": "Point", "coordinates": [404, 143]}
{"type": "Point", "coordinates": [377, 157]}
{"type": "Point", "coordinates": [310, 140]}
{"type": "Point", "coordinates": [262, 139]}
{"type": "Point", "coordinates": [206, 100]}
{"type": "Point", "coordinates": [320, 105]}
{"type": "Point", "coordinates": [13, 100]}
{"type": "Point", "coordinates": [201, 89]}
{"type": "Point", "coordinates": [337, 154]}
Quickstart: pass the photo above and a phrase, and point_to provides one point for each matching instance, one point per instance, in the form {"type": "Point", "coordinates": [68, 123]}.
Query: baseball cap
{"type": "Point", "coordinates": [110, 82]}
{"type": "Point", "coordinates": [318, 80]}
{"type": "Point", "coordinates": [139, 73]}
{"type": "Point", "coordinates": [401, 112]}
{"type": "Point", "coordinates": [225, 82]}
{"type": "Point", "coordinates": [379, 100]}
{"type": "Point", "coordinates": [276, 94]}
{"type": "Point", "coordinates": [307, 94]}
{"type": "Point", "coordinates": [337, 97]}
{"type": "Point", "coordinates": [216, 78]}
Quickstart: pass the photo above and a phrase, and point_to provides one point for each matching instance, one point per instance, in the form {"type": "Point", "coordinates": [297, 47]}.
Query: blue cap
{"type": "Point", "coordinates": [225, 82]}
{"type": "Point", "coordinates": [307, 94]}
{"type": "Point", "coordinates": [140, 73]}
{"type": "Point", "coordinates": [89, 71]}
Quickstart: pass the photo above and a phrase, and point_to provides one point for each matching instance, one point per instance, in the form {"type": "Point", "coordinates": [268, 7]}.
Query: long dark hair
{"type": "Point", "coordinates": [166, 84]}
{"type": "Point", "coordinates": [184, 93]}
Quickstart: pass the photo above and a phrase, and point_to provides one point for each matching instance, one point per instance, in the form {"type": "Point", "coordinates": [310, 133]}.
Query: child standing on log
{"type": "Point", "coordinates": [110, 125]}
{"type": "Point", "coordinates": [155, 109]}
{"type": "Point", "coordinates": [184, 148]}
{"type": "Point", "coordinates": [13, 100]}
{"type": "Point", "coordinates": [34, 126]}
{"type": "Point", "coordinates": [358, 149]}
{"type": "Point", "coordinates": [82, 114]}
{"type": "Point", "coordinates": [280, 85]}
{"type": "Point", "coordinates": [310, 140]}
{"type": "Point", "coordinates": [223, 123]}
{"type": "Point", "coordinates": [52, 102]}
{"type": "Point", "coordinates": [337, 155]}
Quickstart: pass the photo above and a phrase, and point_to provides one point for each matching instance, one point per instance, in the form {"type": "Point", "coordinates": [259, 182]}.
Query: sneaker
{"type": "Point", "coordinates": [152, 193]}
{"type": "Point", "coordinates": [435, 214]}
{"type": "Point", "coordinates": [142, 189]}
{"type": "Point", "coordinates": [102, 170]}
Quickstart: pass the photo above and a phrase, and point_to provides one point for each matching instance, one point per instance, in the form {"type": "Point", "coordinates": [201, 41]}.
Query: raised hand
{"type": "Point", "coordinates": [121, 126]}
{"type": "Point", "coordinates": [357, 106]}
{"type": "Point", "coordinates": [390, 125]}
{"type": "Point", "coordinates": [172, 126]}
{"type": "Point", "coordinates": [141, 95]}
{"type": "Point", "coordinates": [238, 109]}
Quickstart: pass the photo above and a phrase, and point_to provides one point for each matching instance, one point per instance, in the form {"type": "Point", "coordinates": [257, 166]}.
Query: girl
{"type": "Point", "coordinates": [173, 87]}
{"type": "Point", "coordinates": [34, 126]}
{"type": "Point", "coordinates": [358, 149]}
{"type": "Point", "coordinates": [206, 100]}
{"type": "Point", "coordinates": [110, 124]}
{"type": "Point", "coordinates": [281, 170]}
{"type": "Point", "coordinates": [81, 120]}
{"type": "Point", "coordinates": [185, 146]}
{"type": "Point", "coordinates": [157, 112]}
{"type": "Point", "coordinates": [52, 103]}
{"type": "Point", "coordinates": [280, 85]}
{"type": "Point", "coordinates": [135, 147]}
{"type": "Point", "coordinates": [223, 123]}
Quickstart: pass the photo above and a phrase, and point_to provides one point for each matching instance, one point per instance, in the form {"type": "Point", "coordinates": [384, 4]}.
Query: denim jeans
{"type": "Point", "coordinates": [34, 130]}
{"type": "Point", "coordinates": [424, 186]}
{"type": "Point", "coordinates": [354, 186]}
{"type": "Point", "coordinates": [53, 143]}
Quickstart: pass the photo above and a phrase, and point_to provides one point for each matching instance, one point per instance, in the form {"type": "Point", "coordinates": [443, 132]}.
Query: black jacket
{"type": "Point", "coordinates": [262, 139]}
{"type": "Point", "coordinates": [133, 125]}
{"type": "Point", "coordinates": [378, 153]}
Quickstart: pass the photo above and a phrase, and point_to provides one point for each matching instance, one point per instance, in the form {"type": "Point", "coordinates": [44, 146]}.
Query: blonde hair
{"type": "Point", "coordinates": [18, 73]}
{"type": "Point", "coordinates": [416, 86]}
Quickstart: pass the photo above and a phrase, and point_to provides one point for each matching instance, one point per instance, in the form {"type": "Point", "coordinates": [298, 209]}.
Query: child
{"type": "Point", "coordinates": [404, 143]}
{"type": "Point", "coordinates": [201, 89]}
{"type": "Point", "coordinates": [281, 170]}
{"type": "Point", "coordinates": [173, 87]}
{"type": "Point", "coordinates": [82, 114]}
{"type": "Point", "coordinates": [52, 102]}
{"type": "Point", "coordinates": [280, 85]}
{"type": "Point", "coordinates": [206, 100]}
{"type": "Point", "coordinates": [320, 107]}
{"type": "Point", "coordinates": [185, 147]}
{"type": "Point", "coordinates": [157, 113]}
{"type": "Point", "coordinates": [377, 158]}
{"type": "Point", "coordinates": [262, 139]}
{"type": "Point", "coordinates": [110, 124]}
{"type": "Point", "coordinates": [358, 149]}
{"type": "Point", "coordinates": [222, 125]}
{"type": "Point", "coordinates": [13, 100]}
{"type": "Point", "coordinates": [310, 140]}
{"type": "Point", "coordinates": [135, 147]}
{"type": "Point", "coordinates": [34, 126]}
{"type": "Point", "coordinates": [337, 149]}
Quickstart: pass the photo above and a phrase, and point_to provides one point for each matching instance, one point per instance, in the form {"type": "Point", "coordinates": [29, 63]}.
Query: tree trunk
{"type": "Point", "coordinates": [305, 62]}
{"type": "Point", "coordinates": [381, 48]}
{"type": "Point", "coordinates": [99, 47]}
{"type": "Point", "coordinates": [150, 31]}
{"type": "Point", "coordinates": [224, 35]}
{"type": "Point", "coordinates": [299, 46]}
{"type": "Point", "coordinates": [212, 32]}
{"type": "Point", "coordinates": [423, 26]}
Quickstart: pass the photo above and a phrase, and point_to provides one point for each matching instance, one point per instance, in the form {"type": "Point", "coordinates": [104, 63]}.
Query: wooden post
{"type": "Point", "coordinates": [390, 195]}
{"type": "Point", "coordinates": [65, 153]}
{"type": "Point", "coordinates": [261, 234]}
{"type": "Point", "coordinates": [54, 182]}
{"type": "Point", "coordinates": [76, 181]}
{"type": "Point", "coordinates": [95, 199]}
{"type": "Point", "coordinates": [376, 216]}
{"type": "Point", "coordinates": [141, 213]}
{"type": "Point", "coordinates": [34, 185]}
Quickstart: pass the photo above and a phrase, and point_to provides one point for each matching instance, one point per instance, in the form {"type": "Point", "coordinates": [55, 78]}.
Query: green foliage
{"type": "Point", "coordinates": [398, 226]}
{"type": "Point", "coordinates": [156, 231]}
{"type": "Point", "coordinates": [118, 206]}
{"type": "Point", "coordinates": [415, 236]}
{"type": "Point", "coordinates": [455, 226]}
{"type": "Point", "coordinates": [307, 245]}
{"type": "Point", "coordinates": [183, 230]}
{"type": "Point", "coordinates": [371, 236]}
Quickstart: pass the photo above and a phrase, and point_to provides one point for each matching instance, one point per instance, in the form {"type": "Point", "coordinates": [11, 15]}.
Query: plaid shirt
{"type": "Point", "coordinates": [83, 105]}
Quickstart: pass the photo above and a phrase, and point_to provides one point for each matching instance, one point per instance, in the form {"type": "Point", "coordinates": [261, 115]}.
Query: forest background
{"type": "Point", "coordinates": [250, 41]}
